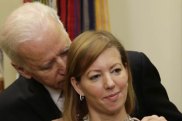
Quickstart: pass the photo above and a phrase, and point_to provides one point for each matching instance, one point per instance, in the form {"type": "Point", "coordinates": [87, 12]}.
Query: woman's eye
{"type": "Point", "coordinates": [95, 77]}
{"type": "Point", "coordinates": [116, 71]}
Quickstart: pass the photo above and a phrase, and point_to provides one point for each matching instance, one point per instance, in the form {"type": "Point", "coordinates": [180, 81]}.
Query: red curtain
{"type": "Point", "coordinates": [81, 15]}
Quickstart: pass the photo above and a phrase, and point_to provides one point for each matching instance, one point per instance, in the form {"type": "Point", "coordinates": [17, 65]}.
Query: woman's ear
{"type": "Point", "coordinates": [21, 71]}
{"type": "Point", "coordinates": [76, 86]}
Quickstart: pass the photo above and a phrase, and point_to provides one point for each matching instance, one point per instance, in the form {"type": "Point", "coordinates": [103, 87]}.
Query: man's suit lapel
{"type": "Point", "coordinates": [41, 102]}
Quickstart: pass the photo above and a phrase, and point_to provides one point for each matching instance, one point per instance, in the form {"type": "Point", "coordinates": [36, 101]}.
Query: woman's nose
{"type": "Point", "coordinates": [109, 82]}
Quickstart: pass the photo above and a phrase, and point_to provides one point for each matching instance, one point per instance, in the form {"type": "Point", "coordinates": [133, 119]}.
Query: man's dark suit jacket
{"type": "Point", "coordinates": [27, 100]}
{"type": "Point", "coordinates": [151, 96]}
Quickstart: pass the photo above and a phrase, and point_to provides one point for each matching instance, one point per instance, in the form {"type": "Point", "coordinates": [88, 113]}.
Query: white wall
{"type": "Point", "coordinates": [154, 27]}
{"type": "Point", "coordinates": [6, 7]}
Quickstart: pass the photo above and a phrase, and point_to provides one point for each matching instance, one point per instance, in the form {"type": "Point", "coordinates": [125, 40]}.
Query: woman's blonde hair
{"type": "Point", "coordinates": [83, 52]}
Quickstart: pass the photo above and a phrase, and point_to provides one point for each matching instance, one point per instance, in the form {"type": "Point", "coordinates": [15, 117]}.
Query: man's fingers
{"type": "Point", "coordinates": [154, 118]}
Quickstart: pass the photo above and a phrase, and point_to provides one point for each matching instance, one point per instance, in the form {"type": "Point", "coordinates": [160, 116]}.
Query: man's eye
{"type": "Point", "coordinates": [95, 77]}
{"type": "Point", "coordinates": [46, 67]}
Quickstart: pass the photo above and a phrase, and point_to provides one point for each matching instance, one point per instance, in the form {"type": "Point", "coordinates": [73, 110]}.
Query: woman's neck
{"type": "Point", "coordinates": [116, 116]}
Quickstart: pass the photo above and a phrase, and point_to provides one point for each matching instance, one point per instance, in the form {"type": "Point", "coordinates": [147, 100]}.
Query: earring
{"type": "Point", "coordinates": [81, 97]}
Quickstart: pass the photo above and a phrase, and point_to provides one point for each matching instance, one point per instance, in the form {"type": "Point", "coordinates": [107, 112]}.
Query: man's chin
{"type": "Point", "coordinates": [61, 85]}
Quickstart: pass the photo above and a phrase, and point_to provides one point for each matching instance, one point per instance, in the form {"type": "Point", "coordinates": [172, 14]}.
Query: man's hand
{"type": "Point", "coordinates": [154, 118]}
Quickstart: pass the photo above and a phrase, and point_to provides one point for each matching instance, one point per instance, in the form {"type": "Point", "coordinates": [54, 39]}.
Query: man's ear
{"type": "Point", "coordinates": [76, 86]}
{"type": "Point", "coordinates": [21, 70]}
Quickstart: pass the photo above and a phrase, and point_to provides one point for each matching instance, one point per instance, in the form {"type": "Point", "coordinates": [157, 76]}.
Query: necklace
{"type": "Point", "coordinates": [132, 119]}
{"type": "Point", "coordinates": [86, 118]}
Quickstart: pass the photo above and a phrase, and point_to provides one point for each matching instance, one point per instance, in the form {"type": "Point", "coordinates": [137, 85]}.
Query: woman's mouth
{"type": "Point", "coordinates": [112, 97]}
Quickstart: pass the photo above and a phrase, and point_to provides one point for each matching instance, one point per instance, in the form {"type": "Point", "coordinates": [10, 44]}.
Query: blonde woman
{"type": "Point", "coordinates": [98, 85]}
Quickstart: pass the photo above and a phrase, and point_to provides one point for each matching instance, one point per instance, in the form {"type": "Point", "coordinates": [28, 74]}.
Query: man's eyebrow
{"type": "Point", "coordinates": [66, 48]}
{"type": "Point", "coordinates": [62, 51]}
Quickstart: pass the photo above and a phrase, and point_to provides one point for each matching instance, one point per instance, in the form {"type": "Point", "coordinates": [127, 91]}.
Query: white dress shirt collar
{"type": "Point", "coordinates": [55, 95]}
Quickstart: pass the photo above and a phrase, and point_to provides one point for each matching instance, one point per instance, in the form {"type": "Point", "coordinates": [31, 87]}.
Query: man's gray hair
{"type": "Point", "coordinates": [24, 24]}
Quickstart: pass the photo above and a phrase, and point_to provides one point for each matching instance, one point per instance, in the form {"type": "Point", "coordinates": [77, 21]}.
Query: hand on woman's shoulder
{"type": "Point", "coordinates": [153, 118]}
